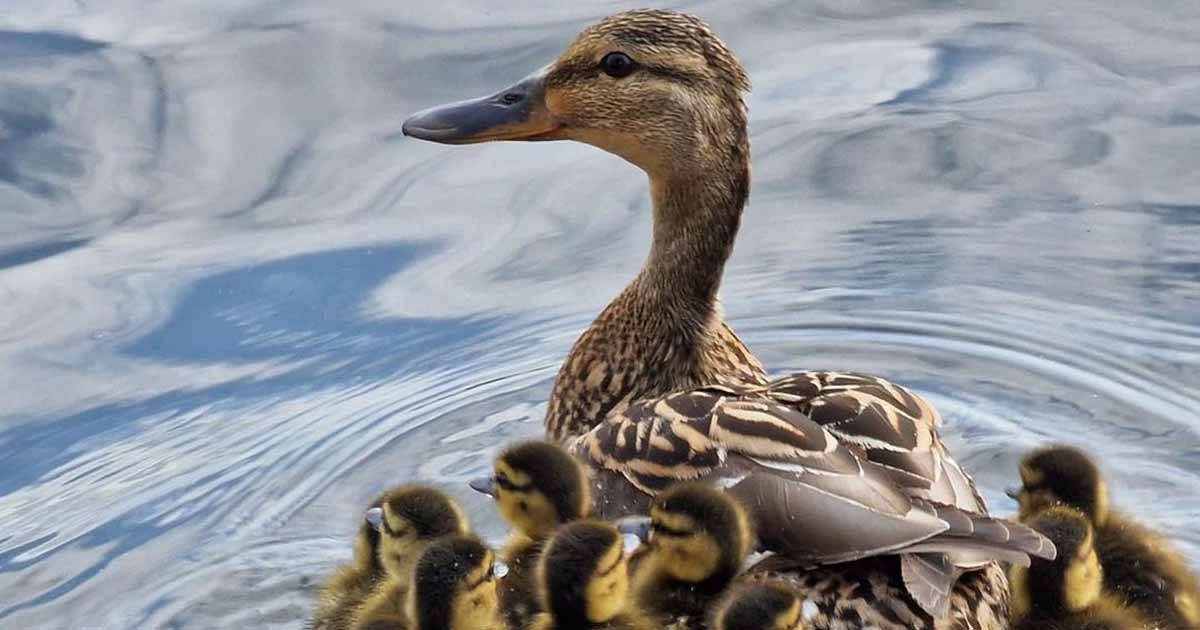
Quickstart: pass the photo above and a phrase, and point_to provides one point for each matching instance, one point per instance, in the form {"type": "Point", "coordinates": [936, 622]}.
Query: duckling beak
{"type": "Point", "coordinates": [636, 526]}
{"type": "Point", "coordinates": [515, 113]}
{"type": "Point", "coordinates": [374, 516]}
{"type": "Point", "coordinates": [483, 485]}
{"type": "Point", "coordinates": [1013, 492]}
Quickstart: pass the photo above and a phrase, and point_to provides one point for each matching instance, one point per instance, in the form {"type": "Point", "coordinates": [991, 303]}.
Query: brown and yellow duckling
{"type": "Point", "coordinates": [583, 578]}
{"type": "Point", "coordinates": [698, 539]}
{"type": "Point", "coordinates": [762, 606]}
{"type": "Point", "coordinates": [1068, 593]}
{"type": "Point", "coordinates": [1140, 566]}
{"type": "Point", "coordinates": [394, 530]}
{"type": "Point", "coordinates": [452, 587]}
{"type": "Point", "coordinates": [538, 486]}
{"type": "Point", "coordinates": [839, 469]}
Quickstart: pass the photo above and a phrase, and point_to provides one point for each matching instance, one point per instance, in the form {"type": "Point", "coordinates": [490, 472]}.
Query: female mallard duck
{"type": "Point", "coordinates": [698, 539]}
{"type": "Point", "coordinates": [1139, 565]}
{"type": "Point", "coordinates": [583, 578]}
{"type": "Point", "coordinates": [764, 606]}
{"type": "Point", "coordinates": [835, 467]}
{"type": "Point", "coordinates": [1067, 593]}
{"type": "Point", "coordinates": [537, 486]}
{"type": "Point", "coordinates": [452, 587]}
{"type": "Point", "coordinates": [396, 526]}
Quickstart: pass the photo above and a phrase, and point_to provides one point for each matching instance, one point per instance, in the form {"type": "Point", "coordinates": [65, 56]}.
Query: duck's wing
{"type": "Point", "coordinates": [813, 497]}
{"type": "Point", "coordinates": [893, 426]}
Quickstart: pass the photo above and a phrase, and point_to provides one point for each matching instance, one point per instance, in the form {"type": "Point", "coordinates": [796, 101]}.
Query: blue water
{"type": "Point", "coordinates": [235, 303]}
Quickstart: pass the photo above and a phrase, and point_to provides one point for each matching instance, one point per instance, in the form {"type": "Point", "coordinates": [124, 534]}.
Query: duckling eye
{"type": "Point", "coordinates": [617, 65]}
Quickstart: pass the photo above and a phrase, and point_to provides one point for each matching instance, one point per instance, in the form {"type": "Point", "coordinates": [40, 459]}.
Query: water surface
{"type": "Point", "coordinates": [237, 303]}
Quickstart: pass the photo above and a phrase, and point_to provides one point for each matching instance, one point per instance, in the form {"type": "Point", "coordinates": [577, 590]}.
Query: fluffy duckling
{"type": "Point", "coordinates": [1067, 593]}
{"type": "Point", "coordinates": [583, 579]}
{"type": "Point", "coordinates": [698, 539]}
{"type": "Point", "coordinates": [395, 528]}
{"type": "Point", "coordinates": [452, 587]}
{"type": "Point", "coordinates": [762, 606]}
{"type": "Point", "coordinates": [537, 486]}
{"type": "Point", "coordinates": [1139, 565]}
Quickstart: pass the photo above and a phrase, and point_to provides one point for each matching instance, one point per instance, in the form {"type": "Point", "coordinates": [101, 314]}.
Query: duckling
{"type": "Point", "coordinates": [583, 580]}
{"type": "Point", "coordinates": [452, 587]}
{"type": "Point", "coordinates": [1067, 593]}
{"type": "Point", "coordinates": [537, 486]}
{"type": "Point", "coordinates": [762, 606]}
{"type": "Point", "coordinates": [1139, 565]}
{"type": "Point", "coordinates": [351, 582]}
{"type": "Point", "coordinates": [698, 539]}
{"type": "Point", "coordinates": [395, 528]}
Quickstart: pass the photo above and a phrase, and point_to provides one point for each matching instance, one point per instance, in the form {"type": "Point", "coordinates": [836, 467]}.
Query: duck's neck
{"type": "Point", "coordinates": [696, 220]}
{"type": "Point", "coordinates": [655, 335]}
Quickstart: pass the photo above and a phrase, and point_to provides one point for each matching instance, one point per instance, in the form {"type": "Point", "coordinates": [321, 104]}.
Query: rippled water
{"type": "Point", "coordinates": [236, 303]}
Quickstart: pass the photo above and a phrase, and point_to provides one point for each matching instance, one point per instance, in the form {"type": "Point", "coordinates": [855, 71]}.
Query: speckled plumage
{"type": "Point", "coordinates": [660, 389]}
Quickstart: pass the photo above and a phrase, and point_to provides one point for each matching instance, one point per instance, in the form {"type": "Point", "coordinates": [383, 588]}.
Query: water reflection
{"type": "Point", "coordinates": [237, 304]}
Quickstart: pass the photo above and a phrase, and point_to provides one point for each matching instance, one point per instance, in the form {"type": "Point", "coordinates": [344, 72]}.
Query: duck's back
{"type": "Point", "coordinates": [1142, 569]}
{"type": "Point", "coordinates": [870, 594]}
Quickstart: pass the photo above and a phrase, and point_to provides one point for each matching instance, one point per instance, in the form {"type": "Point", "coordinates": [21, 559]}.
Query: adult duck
{"type": "Point", "coordinates": [835, 467]}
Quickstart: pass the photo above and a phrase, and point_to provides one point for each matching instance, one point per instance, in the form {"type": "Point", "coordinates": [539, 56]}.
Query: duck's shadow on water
{"type": "Point", "coordinates": [303, 313]}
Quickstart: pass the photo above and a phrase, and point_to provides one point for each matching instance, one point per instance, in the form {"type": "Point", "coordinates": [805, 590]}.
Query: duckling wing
{"type": "Point", "coordinates": [893, 426]}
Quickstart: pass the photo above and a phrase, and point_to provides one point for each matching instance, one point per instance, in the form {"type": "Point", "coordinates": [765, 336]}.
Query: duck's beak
{"type": "Point", "coordinates": [515, 113]}
{"type": "Point", "coordinates": [1013, 492]}
{"type": "Point", "coordinates": [374, 516]}
{"type": "Point", "coordinates": [636, 526]}
{"type": "Point", "coordinates": [483, 485]}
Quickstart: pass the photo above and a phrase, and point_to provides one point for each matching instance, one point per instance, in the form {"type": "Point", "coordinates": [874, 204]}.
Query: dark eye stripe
{"type": "Point", "coordinates": [659, 528]}
{"type": "Point", "coordinates": [505, 483]}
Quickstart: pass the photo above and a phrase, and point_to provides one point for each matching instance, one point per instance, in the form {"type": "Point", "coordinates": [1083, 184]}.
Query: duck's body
{"type": "Point", "coordinates": [698, 538]}
{"type": "Point", "coordinates": [537, 487]}
{"type": "Point", "coordinates": [583, 579]}
{"type": "Point", "coordinates": [452, 587]}
{"type": "Point", "coordinates": [764, 606]}
{"type": "Point", "coordinates": [350, 584]}
{"type": "Point", "coordinates": [1068, 593]}
{"type": "Point", "coordinates": [1140, 566]}
{"type": "Point", "coordinates": [659, 389]}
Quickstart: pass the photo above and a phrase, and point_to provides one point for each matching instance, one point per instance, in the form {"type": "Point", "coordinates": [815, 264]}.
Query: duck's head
{"type": "Point", "coordinates": [657, 88]}
{"type": "Point", "coordinates": [764, 606]}
{"type": "Point", "coordinates": [1062, 474]}
{"type": "Point", "coordinates": [1069, 583]}
{"type": "Point", "coordinates": [537, 486]}
{"type": "Point", "coordinates": [697, 533]}
{"type": "Point", "coordinates": [583, 575]}
{"type": "Point", "coordinates": [454, 587]}
{"type": "Point", "coordinates": [408, 517]}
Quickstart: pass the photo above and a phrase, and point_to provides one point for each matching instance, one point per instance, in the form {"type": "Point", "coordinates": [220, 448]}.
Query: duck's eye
{"type": "Point", "coordinates": [617, 65]}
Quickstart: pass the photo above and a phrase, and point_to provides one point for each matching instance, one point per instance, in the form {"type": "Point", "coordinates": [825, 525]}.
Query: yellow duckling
{"type": "Point", "coordinates": [396, 527]}
{"type": "Point", "coordinates": [1139, 565]}
{"type": "Point", "coordinates": [762, 606]}
{"type": "Point", "coordinates": [583, 579]}
{"type": "Point", "coordinates": [698, 539]}
{"type": "Point", "coordinates": [1067, 593]}
{"type": "Point", "coordinates": [537, 486]}
{"type": "Point", "coordinates": [452, 587]}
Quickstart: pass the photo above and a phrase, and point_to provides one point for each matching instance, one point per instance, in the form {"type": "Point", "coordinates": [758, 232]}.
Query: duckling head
{"type": "Point", "coordinates": [454, 587]}
{"type": "Point", "coordinates": [764, 606]}
{"type": "Point", "coordinates": [657, 88]}
{"type": "Point", "coordinates": [1069, 583]}
{"type": "Point", "coordinates": [537, 486]}
{"type": "Point", "coordinates": [1062, 474]}
{"type": "Point", "coordinates": [583, 574]}
{"type": "Point", "coordinates": [698, 533]}
{"type": "Point", "coordinates": [408, 517]}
